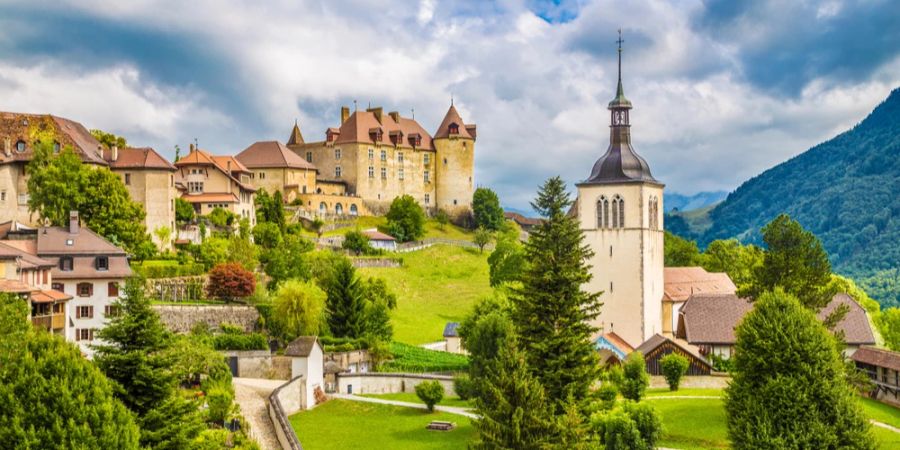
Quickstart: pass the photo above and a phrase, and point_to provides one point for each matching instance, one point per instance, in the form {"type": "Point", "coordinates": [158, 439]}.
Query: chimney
{"type": "Point", "coordinates": [192, 147]}
{"type": "Point", "coordinates": [228, 164]}
{"type": "Point", "coordinates": [378, 111]}
{"type": "Point", "coordinates": [345, 113]}
{"type": "Point", "coordinates": [7, 147]}
{"type": "Point", "coordinates": [115, 153]}
{"type": "Point", "coordinates": [73, 222]}
{"type": "Point", "coordinates": [395, 115]}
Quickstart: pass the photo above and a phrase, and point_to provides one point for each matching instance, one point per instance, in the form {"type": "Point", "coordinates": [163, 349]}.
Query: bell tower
{"type": "Point", "coordinates": [620, 211]}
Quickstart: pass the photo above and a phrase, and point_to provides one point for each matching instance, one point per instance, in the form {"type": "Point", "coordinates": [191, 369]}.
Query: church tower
{"type": "Point", "coordinates": [620, 209]}
{"type": "Point", "coordinates": [454, 144]}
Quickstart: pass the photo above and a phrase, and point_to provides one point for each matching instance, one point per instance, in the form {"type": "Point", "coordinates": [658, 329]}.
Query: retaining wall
{"type": "Point", "coordinates": [183, 318]}
{"type": "Point", "coordinates": [714, 381]}
{"type": "Point", "coordinates": [376, 262]}
{"type": "Point", "coordinates": [389, 383]}
{"type": "Point", "coordinates": [283, 402]}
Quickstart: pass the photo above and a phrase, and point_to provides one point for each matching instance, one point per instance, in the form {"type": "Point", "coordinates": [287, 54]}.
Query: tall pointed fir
{"type": "Point", "coordinates": [551, 311]}
{"type": "Point", "coordinates": [346, 302]}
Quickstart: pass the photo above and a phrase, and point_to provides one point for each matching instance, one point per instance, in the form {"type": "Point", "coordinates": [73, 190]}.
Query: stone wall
{"type": "Point", "coordinates": [389, 383]}
{"type": "Point", "coordinates": [258, 364]}
{"type": "Point", "coordinates": [283, 402]}
{"type": "Point", "coordinates": [715, 381]}
{"type": "Point", "coordinates": [181, 319]}
{"type": "Point", "coordinates": [376, 262]}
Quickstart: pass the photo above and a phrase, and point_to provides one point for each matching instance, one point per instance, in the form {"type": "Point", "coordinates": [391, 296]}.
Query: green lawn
{"type": "Point", "coordinates": [881, 412]}
{"type": "Point", "coordinates": [432, 228]}
{"type": "Point", "coordinates": [436, 285]}
{"type": "Point", "coordinates": [413, 398]}
{"type": "Point", "coordinates": [343, 424]}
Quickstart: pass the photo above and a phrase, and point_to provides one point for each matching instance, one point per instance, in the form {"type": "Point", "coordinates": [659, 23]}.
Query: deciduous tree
{"type": "Point", "coordinates": [486, 209]}
{"type": "Point", "coordinates": [430, 392]}
{"type": "Point", "coordinates": [230, 281]}
{"type": "Point", "coordinates": [356, 242]}
{"type": "Point", "coordinates": [635, 379]}
{"type": "Point", "coordinates": [482, 238]}
{"type": "Point", "coordinates": [673, 367]}
{"type": "Point", "coordinates": [405, 219]}
{"type": "Point", "coordinates": [507, 262]}
{"type": "Point", "coordinates": [300, 308]}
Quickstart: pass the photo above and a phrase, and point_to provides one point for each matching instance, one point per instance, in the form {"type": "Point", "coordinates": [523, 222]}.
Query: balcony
{"type": "Point", "coordinates": [50, 322]}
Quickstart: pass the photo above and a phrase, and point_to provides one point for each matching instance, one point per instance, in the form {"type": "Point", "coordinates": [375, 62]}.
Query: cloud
{"type": "Point", "coordinates": [722, 90]}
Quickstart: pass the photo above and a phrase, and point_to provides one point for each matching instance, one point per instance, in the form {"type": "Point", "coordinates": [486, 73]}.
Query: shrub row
{"type": "Point", "coordinates": [231, 341]}
{"type": "Point", "coordinates": [152, 271]}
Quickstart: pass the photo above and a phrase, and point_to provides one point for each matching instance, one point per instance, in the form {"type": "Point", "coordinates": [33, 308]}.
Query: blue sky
{"type": "Point", "coordinates": [722, 89]}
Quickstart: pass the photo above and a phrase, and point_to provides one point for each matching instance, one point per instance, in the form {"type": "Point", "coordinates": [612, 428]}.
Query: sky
{"type": "Point", "coordinates": [722, 89]}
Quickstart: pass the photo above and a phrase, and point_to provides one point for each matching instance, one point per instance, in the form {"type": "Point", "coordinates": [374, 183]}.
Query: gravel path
{"type": "Point", "coordinates": [252, 395]}
{"type": "Point", "coordinates": [447, 409]}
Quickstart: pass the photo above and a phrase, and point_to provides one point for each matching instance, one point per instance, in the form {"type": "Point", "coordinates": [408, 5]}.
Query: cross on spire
{"type": "Point", "coordinates": [620, 41]}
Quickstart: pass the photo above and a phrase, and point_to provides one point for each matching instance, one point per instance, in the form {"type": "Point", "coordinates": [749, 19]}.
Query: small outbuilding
{"type": "Point", "coordinates": [658, 346]}
{"type": "Point", "coordinates": [883, 368]}
{"type": "Point", "coordinates": [380, 240]}
{"type": "Point", "coordinates": [612, 348]}
{"type": "Point", "coordinates": [307, 361]}
{"type": "Point", "coordinates": [451, 338]}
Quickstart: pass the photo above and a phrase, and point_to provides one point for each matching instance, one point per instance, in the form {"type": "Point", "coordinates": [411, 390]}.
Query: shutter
{"type": "Point", "coordinates": [91, 290]}
{"type": "Point", "coordinates": [90, 312]}
{"type": "Point", "coordinates": [77, 334]}
{"type": "Point", "coordinates": [77, 315]}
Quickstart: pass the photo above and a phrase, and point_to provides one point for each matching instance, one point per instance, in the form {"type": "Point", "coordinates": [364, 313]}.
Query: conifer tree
{"type": "Point", "coordinates": [789, 387]}
{"type": "Point", "coordinates": [346, 302]}
{"type": "Point", "coordinates": [513, 407]}
{"type": "Point", "coordinates": [551, 311]}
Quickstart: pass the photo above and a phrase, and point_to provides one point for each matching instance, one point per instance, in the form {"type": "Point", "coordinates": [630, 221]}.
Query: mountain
{"type": "Point", "coordinates": [681, 202]}
{"type": "Point", "coordinates": [845, 190]}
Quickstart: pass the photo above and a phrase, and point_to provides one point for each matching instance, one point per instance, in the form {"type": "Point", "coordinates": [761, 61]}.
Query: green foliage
{"type": "Point", "coordinates": [507, 261]}
{"type": "Point", "coordinates": [844, 191]}
{"type": "Point", "coordinates": [291, 260]}
{"type": "Point", "coordinates": [270, 209]}
{"type": "Point", "coordinates": [357, 243]}
{"type": "Point", "coordinates": [299, 309]}
{"type": "Point", "coordinates": [484, 333]}
{"type": "Point", "coordinates": [635, 379]}
{"type": "Point", "coordinates": [464, 387]}
{"type": "Point", "coordinates": [729, 256]}
{"type": "Point", "coordinates": [789, 386]}
{"type": "Point", "coordinates": [486, 209]}
{"type": "Point", "coordinates": [221, 218]}
{"type": "Point", "coordinates": [552, 312]}
{"type": "Point", "coordinates": [607, 394]}
{"type": "Point", "coordinates": [794, 261]}
{"type": "Point", "coordinates": [673, 367]}
{"type": "Point", "coordinates": [889, 325]}
{"type": "Point", "coordinates": [230, 281]}
{"type": "Point", "coordinates": [50, 396]}
{"type": "Point", "coordinates": [409, 358]}
{"type": "Point", "coordinates": [680, 252]}
{"type": "Point", "coordinates": [163, 234]}
{"type": "Point", "coordinates": [405, 219]}
{"type": "Point", "coordinates": [442, 218]}
{"type": "Point", "coordinates": [193, 356]}
{"type": "Point", "coordinates": [109, 140]}
{"type": "Point", "coordinates": [482, 238]}
{"type": "Point", "coordinates": [167, 269]}
{"type": "Point", "coordinates": [635, 426]}
{"type": "Point", "coordinates": [267, 235]}
{"type": "Point", "coordinates": [219, 398]}
{"type": "Point", "coordinates": [184, 210]}
{"type": "Point", "coordinates": [346, 303]}
{"type": "Point", "coordinates": [212, 251]}
{"type": "Point", "coordinates": [430, 392]}
{"type": "Point", "coordinates": [379, 301]}
{"type": "Point", "coordinates": [721, 364]}
{"type": "Point", "coordinates": [512, 404]}
{"type": "Point", "coordinates": [234, 338]}
{"type": "Point", "coordinates": [58, 184]}
{"type": "Point", "coordinates": [243, 252]}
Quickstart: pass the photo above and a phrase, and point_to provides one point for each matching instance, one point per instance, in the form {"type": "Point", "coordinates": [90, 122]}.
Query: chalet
{"type": "Point", "coordinates": [883, 368]}
{"type": "Point", "coordinates": [679, 283]}
{"type": "Point", "coordinates": [612, 348]}
{"type": "Point", "coordinates": [658, 346]}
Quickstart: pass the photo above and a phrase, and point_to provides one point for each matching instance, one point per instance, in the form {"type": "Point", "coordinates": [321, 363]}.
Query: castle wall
{"type": "Point", "coordinates": [454, 167]}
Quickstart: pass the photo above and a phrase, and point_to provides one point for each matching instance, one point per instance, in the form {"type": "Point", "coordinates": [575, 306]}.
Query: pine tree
{"type": "Point", "coordinates": [346, 303]}
{"type": "Point", "coordinates": [552, 312]}
{"type": "Point", "coordinates": [789, 387]}
{"type": "Point", "coordinates": [512, 405]}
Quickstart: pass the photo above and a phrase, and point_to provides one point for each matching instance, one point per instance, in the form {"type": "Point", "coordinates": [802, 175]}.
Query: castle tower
{"type": "Point", "coordinates": [454, 164]}
{"type": "Point", "coordinates": [620, 210]}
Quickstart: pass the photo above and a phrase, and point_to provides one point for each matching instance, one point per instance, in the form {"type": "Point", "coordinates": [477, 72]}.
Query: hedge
{"type": "Point", "coordinates": [250, 341]}
{"type": "Point", "coordinates": [409, 358]}
{"type": "Point", "coordinates": [153, 269]}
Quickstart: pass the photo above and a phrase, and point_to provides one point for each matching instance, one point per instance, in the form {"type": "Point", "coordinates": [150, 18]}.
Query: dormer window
{"type": "Point", "coordinates": [65, 264]}
{"type": "Point", "coordinates": [56, 147]}
{"type": "Point", "coordinates": [101, 263]}
{"type": "Point", "coordinates": [453, 128]}
{"type": "Point", "coordinates": [20, 146]}
{"type": "Point", "coordinates": [70, 242]}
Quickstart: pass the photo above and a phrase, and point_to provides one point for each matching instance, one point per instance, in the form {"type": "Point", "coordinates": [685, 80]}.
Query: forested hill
{"type": "Point", "coordinates": [845, 190]}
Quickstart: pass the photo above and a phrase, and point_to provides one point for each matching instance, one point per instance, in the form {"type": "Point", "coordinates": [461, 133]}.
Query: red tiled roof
{"type": "Point", "coordinates": [681, 282]}
{"type": "Point", "coordinates": [15, 287]}
{"type": "Point", "coordinates": [357, 129]}
{"type": "Point", "coordinates": [49, 296]}
{"type": "Point", "coordinates": [223, 160]}
{"type": "Point", "coordinates": [137, 158]}
{"type": "Point", "coordinates": [210, 197]}
{"type": "Point", "coordinates": [376, 235]}
{"type": "Point", "coordinates": [855, 324]}
{"type": "Point", "coordinates": [452, 117]}
{"type": "Point", "coordinates": [18, 126]}
{"type": "Point", "coordinates": [877, 357]}
{"type": "Point", "coordinates": [203, 158]}
{"type": "Point", "coordinates": [266, 154]}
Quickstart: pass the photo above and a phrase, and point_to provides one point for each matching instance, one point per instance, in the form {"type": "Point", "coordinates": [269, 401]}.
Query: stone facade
{"type": "Point", "coordinates": [291, 182]}
{"type": "Point", "coordinates": [454, 169]}
{"type": "Point", "coordinates": [389, 383]}
{"type": "Point", "coordinates": [182, 319]}
{"type": "Point", "coordinates": [155, 189]}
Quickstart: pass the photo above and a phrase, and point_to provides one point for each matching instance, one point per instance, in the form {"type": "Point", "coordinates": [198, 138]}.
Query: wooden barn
{"type": "Point", "coordinates": [659, 346]}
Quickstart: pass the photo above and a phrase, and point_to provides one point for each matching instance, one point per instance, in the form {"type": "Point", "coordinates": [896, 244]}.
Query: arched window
{"type": "Point", "coordinates": [603, 212]}
{"type": "Point", "coordinates": [20, 146]}
{"type": "Point", "coordinates": [353, 210]}
{"type": "Point", "coordinates": [338, 209]}
{"type": "Point", "coordinates": [323, 208]}
{"type": "Point", "coordinates": [618, 212]}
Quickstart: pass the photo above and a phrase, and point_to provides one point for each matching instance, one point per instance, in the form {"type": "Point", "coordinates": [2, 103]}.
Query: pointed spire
{"type": "Point", "coordinates": [452, 118]}
{"type": "Point", "coordinates": [296, 137]}
{"type": "Point", "coordinates": [620, 101]}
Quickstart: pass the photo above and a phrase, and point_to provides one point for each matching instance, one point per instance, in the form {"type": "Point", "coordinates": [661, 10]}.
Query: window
{"type": "Point", "coordinates": [427, 176]}
{"type": "Point", "coordinates": [65, 263]}
{"type": "Point", "coordinates": [112, 289]}
{"type": "Point", "coordinates": [400, 173]}
{"type": "Point", "coordinates": [337, 153]}
{"type": "Point", "coordinates": [84, 334]}
{"type": "Point", "coordinates": [353, 210]}
{"type": "Point", "coordinates": [85, 289]}
{"type": "Point", "coordinates": [172, 180]}
{"type": "Point", "coordinates": [195, 186]}
{"type": "Point", "coordinates": [84, 312]}
{"type": "Point", "coordinates": [309, 156]}
{"type": "Point", "coordinates": [371, 172]}
{"type": "Point", "coordinates": [371, 153]}
{"type": "Point", "coordinates": [262, 175]}
{"type": "Point", "coordinates": [58, 287]}
{"type": "Point", "coordinates": [127, 179]}
{"type": "Point", "coordinates": [426, 158]}
{"type": "Point", "coordinates": [603, 212]}
{"type": "Point", "coordinates": [427, 198]}
{"type": "Point", "coordinates": [56, 147]}
{"type": "Point", "coordinates": [20, 146]}
{"type": "Point", "coordinates": [101, 263]}
{"type": "Point", "coordinates": [383, 155]}
{"type": "Point", "coordinates": [338, 209]}
{"type": "Point", "coordinates": [337, 172]}
{"type": "Point", "coordinates": [618, 212]}
{"type": "Point", "coordinates": [445, 161]}
{"type": "Point", "coordinates": [384, 173]}
{"type": "Point", "coordinates": [323, 208]}
{"type": "Point", "coordinates": [400, 157]}
{"type": "Point", "coordinates": [2, 196]}
{"type": "Point", "coordinates": [110, 311]}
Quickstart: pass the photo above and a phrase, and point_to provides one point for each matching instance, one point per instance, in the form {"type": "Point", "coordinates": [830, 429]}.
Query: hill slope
{"type": "Point", "coordinates": [845, 190]}
{"type": "Point", "coordinates": [680, 202]}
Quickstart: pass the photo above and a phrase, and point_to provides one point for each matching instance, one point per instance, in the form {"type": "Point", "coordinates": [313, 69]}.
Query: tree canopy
{"type": "Point", "coordinates": [406, 219]}
{"type": "Point", "coordinates": [486, 209]}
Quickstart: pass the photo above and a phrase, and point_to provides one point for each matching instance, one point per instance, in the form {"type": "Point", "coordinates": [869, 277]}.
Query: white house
{"type": "Point", "coordinates": [308, 362]}
{"type": "Point", "coordinates": [380, 240]}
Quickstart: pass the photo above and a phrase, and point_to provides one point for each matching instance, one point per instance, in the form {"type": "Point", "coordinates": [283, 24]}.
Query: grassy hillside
{"type": "Point", "coordinates": [432, 228]}
{"type": "Point", "coordinates": [844, 190]}
{"type": "Point", "coordinates": [435, 286]}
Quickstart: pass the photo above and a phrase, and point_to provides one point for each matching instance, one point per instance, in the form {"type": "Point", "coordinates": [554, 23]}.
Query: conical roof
{"type": "Point", "coordinates": [452, 117]}
{"type": "Point", "coordinates": [620, 164]}
{"type": "Point", "coordinates": [296, 137]}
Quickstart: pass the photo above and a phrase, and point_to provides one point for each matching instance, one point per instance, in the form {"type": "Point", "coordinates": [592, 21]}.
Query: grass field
{"type": "Point", "coordinates": [436, 285]}
{"type": "Point", "coordinates": [413, 398]}
{"type": "Point", "coordinates": [432, 228]}
{"type": "Point", "coordinates": [343, 424]}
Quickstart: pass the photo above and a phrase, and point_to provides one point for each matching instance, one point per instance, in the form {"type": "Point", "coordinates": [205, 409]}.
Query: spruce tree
{"type": "Point", "coordinates": [513, 407]}
{"type": "Point", "coordinates": [789, 387]}
{"type": "Point", "coordinates": [345, 302]}
{"type": "Point", "coordinates": [551, 311]}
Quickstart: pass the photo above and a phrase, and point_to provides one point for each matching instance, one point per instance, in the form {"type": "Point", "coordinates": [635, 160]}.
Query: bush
{"type": "Point", "coordinates": [233, 338]}
{"type": "Point", "coordinates": [721, 364]}
{"type": "Point", "coordinates": [635, 379]}
{"type": "Point", "coordinates": [607, 395]}
{"type": "Point", "coordinates": [218, 401]}
{"type": "Point", "coordinates": [635, 426]}
{"type": "Point", "coordinates": [357, 243]}
{"type": "Point", "coordinates": [673, 367]}
{"type": "Point", "coordinates": [430, 392]}
{"type": "Point", "coordinates": [405, 219]}
{"type": "Point", "coordinates": [464, 387]}
{"type": "Point", "coordinates": [167, 269]}
{"type": "Point", "coordinates": [230, 281]}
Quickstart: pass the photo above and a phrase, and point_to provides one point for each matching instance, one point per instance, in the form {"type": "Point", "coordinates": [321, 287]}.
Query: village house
{"type": "Point", "coordinates": [659, 346]}
{"type": "Point", "coordinates": [883, 368]}
{"type": "Point", "coordinates": [612, 349]}
{"type": "Point", "coordinates": [708, 321]}
{"type": "Point", "coordinates": [682, 282]}
{"type": "Point", "coordinates": [274, 167]}
{"type": "Point", "coordinates": [377, 157]}
{"type": "Point", "coordinates": [379, 240]}
{"type": "Point", "coordinates": [85, 267]}
{"type": "Point", "coordinates": [208, 182]}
